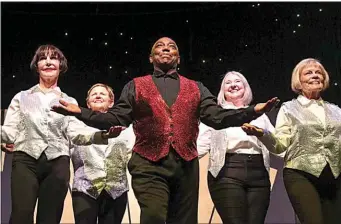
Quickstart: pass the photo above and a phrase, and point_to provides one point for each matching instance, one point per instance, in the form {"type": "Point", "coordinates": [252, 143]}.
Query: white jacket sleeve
{"type": "Point", "coordinates": [279, 140]}
{"type": "Point", "coordinates": [10, 129]}
{"type": "Point", "coordinates": [204, 139]}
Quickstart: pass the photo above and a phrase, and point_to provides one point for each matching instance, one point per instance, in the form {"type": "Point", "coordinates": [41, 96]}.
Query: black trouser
{"type": "Point", "coordinates": [241, 191]}
{"type": "Point", "coordinates": [316, 200]}
{"type": "Point", "coordinates": [46, 180]}
{"type": "Point", "coordinates": [167, 190]}
{"type": "Point", "coordinates": [105, 208]}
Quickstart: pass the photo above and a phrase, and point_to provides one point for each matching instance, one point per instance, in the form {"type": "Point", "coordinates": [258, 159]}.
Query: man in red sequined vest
{"type": "Point", "coordinates": [165, 109]}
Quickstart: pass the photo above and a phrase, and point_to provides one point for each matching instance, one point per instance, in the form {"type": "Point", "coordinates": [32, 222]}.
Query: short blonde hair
{"type": "Point", "coordinates": [296, 85]}
{"type": "Point", "coordinates": [247, 97]}
{"type": "Point", "coordinates": [108, 88]}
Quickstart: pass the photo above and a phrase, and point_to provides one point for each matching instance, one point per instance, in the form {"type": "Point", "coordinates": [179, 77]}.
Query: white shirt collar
{"type": "Point", "coordinates": [229, 105]}
{"type": "Point", "coordinates": [55, 90]}
{"type": "Point", "coordinates": [306, 102]}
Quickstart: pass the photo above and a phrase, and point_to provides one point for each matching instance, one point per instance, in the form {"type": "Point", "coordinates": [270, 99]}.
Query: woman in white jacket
{"type": "Point", "coordinates": [100, 184]}
{"type": "Point", "coordinates": [41, 140]}
{"type": "Point", "coordinates": [238, 177]}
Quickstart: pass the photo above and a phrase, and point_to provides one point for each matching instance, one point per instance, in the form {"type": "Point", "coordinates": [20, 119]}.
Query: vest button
{"type": "Point", "coordinates": [171, 134]}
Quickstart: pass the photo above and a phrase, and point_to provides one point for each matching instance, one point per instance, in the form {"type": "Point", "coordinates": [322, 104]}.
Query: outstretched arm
{"type": "Point", "coordinates": [278, 141]}
{"type": "Point", "coordinates": [120, 115]}
{"type": "Point", "coordinates": [216, 117]}
{"type": "Point", "coordinates": [81, 134]}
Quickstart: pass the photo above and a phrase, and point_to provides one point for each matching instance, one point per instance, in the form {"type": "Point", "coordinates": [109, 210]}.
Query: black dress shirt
{"type": "Point", "coordinates": [168, 84]}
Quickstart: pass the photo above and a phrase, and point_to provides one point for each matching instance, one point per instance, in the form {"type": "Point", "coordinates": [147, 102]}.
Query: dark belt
{"type": "Point", "coordinates": [242, 157]}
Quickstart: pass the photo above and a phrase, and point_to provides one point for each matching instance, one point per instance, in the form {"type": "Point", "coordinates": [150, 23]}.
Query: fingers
{"type": "Point", "coordinates": [271, 101]}
{"type": "Point", "coordinates": [10, 147]}
{"type": "Point", "coordinates": [63, 102]}
{"type": "Point", "coordinates": [274, 99]}
{"type": "Point", "coordinates": [116, 128]}
{"type": "Point", "coordinates": [7, 148]}
{"type": "Point", "coordinates": [247, 125]}
{"type": "Point", "coordinates": [270, 104]}
{"type": "Point", "coordinates": [59, 109]}
{"type": "Point", "coordinates": [247, 130]}
{"type": "Point", "coordinates": [250, 129]}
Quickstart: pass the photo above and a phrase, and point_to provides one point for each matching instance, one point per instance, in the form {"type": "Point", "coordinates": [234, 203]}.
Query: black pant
{"type": "Point", "coordinates": [167, 190]}
{"type": "Point", "coordinates": [316, 200]}
{"type": "Point", "coordinates": [241, 191]}
{"type": "Point", "coordinates": [46, 180]}
{"type": "Point", "coordinates": [105, 208]}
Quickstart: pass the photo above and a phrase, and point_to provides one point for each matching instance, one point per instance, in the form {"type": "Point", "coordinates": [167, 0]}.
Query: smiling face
{"type": "Point", "coordinates": [234, 88]}
{"type": "Point", "coordinates": [165, 54]}
{"type": "Point", "coordinates": [48, 62]}
{"type": "Point", "coordinates": [100, 99]}
{"type": "Point", "coordinates": [48, 66]}
{"type": "Point", "coordinates": [309, 78]}
{"type": "Point", "coordinates": [312, 79]}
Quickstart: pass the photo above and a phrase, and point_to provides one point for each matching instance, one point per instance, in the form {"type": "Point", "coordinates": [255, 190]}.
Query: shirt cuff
{"type": "Point", "coordinates": [267, 138]}
{"type": "Point", "coordinates": [266, 132]}
{"type": "Point", "coordinates": [84, 113]}
{"type": "Point", "coordinates": [251, 110]}
{"type": "Point", "coordinates": [97, 138]}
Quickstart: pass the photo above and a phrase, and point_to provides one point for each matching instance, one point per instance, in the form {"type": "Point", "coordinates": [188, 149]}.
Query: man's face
{"type": "Point", "coordinates": [165, 54]}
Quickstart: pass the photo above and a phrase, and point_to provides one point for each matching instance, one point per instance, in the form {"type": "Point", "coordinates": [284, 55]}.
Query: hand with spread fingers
{"type": "Point", "coordinates": [8, 148]}
{"type": "Point", "coordinates": [252, 130]}
{"type": "Point", "coordinates": [66, 108]}
{"type": "Point", "coordinates": [266, 107]}
{"type": "Point", "coordinates": [113, 132]}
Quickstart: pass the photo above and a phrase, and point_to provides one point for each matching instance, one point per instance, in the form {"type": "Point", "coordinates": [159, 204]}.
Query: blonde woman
{"type": "Point", "coordinates": [308, 129]}
{"type": "Point", "coordinates": [238, 177]}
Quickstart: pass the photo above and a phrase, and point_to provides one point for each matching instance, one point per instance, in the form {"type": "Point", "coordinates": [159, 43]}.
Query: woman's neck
{"type": "Point", "coordinates": [238, 103]}
{"type": "Point", "coordinates": [312, 95]}
{"type": "Point", "coordinates": [47, 84]}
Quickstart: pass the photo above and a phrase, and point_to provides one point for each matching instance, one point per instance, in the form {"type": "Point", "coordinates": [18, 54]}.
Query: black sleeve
{"type": "Point", "coordinates": [216, 117]}
{"type": "Point", "coordinates": [120, 114]}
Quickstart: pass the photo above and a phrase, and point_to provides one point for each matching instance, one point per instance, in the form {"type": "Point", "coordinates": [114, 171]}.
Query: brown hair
{"type": "Point", "coordinates": [51, 50]}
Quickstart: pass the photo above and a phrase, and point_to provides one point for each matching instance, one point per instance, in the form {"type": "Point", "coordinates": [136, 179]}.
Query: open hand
{"type": "Point", "coordinates": [252, 130]}
{"type": "Point", "coordinates": [66, 108]}
{"type": "Point", "coordinates": [113, 132]}
{"type": "Point", "coordinates": [8, 148]}
{"type": "Point", "coordinates": [261, 108]}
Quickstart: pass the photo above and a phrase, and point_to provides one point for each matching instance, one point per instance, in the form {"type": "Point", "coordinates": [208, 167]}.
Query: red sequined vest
{"type": "Point", "coordinates": [158, 126]}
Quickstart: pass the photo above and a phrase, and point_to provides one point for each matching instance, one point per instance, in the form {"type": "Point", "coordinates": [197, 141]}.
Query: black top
{"type": "Point", "coordinates": [168, 85]}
